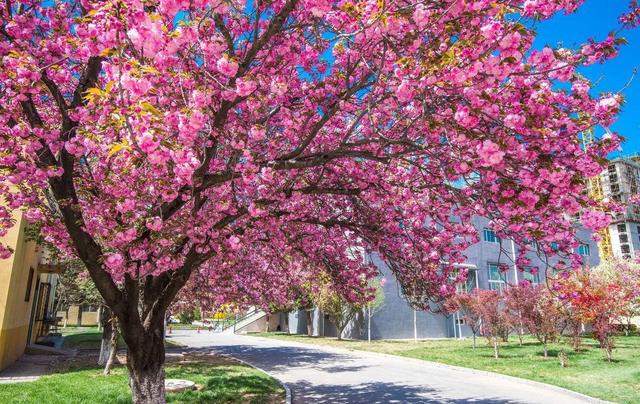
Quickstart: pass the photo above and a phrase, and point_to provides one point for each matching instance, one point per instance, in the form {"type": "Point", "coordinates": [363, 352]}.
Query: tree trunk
{"type": "Point", "coordinates": [114, 346]}
{"type": "Point", "coordinates": [474, 340]}
{"type": "Point", "coordinates": [544, 345]}
{"type": "Point", "coordinates": [309, 322]}
{"type": "Point", "coordinates": [147, 386]}
{"type": "Point", "coordinates": [496, 350]}
{"type": "Point", "coordinates": [107, 330]}
{"type": "Point", "coordinates": [145, 360]}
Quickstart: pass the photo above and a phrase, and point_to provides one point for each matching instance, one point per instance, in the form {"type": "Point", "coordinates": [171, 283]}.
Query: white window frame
{"type": "Point", "coordinates": [495, 284]}
{"type": "Point", "coordinates": [485, 236]}
{"type": "Point", "coordinates": [586, 248]}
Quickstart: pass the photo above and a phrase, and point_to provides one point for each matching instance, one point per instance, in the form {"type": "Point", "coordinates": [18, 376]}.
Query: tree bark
{"type": "Point", "coordinates": [145, 360]}
{"type": "Point", "coordinates": [309, 322]}
{"type": "Point", "coordinates": [496, 350]}
{"type": "Point", "coordinates": [114, 346]}
{"type": "Point", "coordinates": [107, 330]}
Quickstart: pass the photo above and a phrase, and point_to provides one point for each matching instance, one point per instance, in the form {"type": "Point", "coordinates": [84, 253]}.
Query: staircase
{"type": "Point", "coordinates": [251, 316]}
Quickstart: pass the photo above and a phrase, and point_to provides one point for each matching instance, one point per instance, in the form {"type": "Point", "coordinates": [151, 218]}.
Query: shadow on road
{"type": "Point", "coordinates": [376, 393]}
{"type": "Point", "coordinates": [291, 358]}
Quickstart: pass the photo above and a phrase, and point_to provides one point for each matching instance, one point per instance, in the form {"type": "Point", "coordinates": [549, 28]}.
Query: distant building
{"type": "Point", "coordinates": [619, 181]}
{"type": "Point", "coordinates": [27, 288]}
{"type": "Point", "coordinates": [395, 319]}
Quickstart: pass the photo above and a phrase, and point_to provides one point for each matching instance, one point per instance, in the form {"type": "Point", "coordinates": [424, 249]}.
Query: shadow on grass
{"type": "Point", "coordinates": [231, 384]}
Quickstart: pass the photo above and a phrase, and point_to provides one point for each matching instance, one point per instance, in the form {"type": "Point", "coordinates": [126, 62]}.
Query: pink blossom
{"type": "Point", "coordinates": [510, 41]}
{"type": "Point", "coordinates": [257, 133]}
{"type": "Point", "coordinates": [514, 121]}
{"type": "Point", "coordinates": [147, 143]}
{"type": "Point", "coordinates": [405, 91]}
{"type": "Point", "coordinates": [595, 220]}
{"type": "Point", "coordinates": [114, 261]}
{"type": "Point", "coordinates": [464, 118]}
{"type": "Point", "coordinates": [245, 87]}
{"type": "Point", "coordinates": [226, 66]}
{"type": "Point", "coordinates": [234, 242]}
{"type": "Point", "coordinates": [421, 15]}
{"type": "Point", "coordinates": [528, 198]}
{"type": "Point", "coordinates": [490, 153]}
{"type": "Point", "coordinates": [154, 224]}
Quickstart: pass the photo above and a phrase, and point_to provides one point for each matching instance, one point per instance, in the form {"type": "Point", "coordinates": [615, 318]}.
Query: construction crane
{"type": "Point", "coordinates": [596, 191]}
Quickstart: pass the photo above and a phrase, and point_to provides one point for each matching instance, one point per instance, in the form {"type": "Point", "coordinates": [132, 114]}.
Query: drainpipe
{"type": "Point", "coordinates": [513, 256]}
{"type": "Point", "coordinates": [369, 323]}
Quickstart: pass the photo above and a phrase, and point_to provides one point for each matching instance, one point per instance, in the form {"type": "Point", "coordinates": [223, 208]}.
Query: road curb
{"type": "Point", "coordinates": [287, 389]}
{"type": "Point", "coordinates": [534, 383]}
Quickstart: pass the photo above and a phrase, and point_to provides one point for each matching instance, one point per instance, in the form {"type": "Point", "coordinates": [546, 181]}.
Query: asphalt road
{"type": "Point", "coordinates": [330, 375]}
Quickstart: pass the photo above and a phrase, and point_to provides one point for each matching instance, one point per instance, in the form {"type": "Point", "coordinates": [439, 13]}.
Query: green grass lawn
{"type": "Point", "coordinates": [588, 371]}
{"type": "Point", "coordinates": [90, 338]}
{"type": "Point", "coordinates": [220, 383]}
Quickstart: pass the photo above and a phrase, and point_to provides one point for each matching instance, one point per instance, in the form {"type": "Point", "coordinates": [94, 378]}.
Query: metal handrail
{"type": "Point", "coordinates": [240, 319]}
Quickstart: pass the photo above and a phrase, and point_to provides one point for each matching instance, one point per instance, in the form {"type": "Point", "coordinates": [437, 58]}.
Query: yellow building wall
{"type": "Point", "coordinates": [15, 312]}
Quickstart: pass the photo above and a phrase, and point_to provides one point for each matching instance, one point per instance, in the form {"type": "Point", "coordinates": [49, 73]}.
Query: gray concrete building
{"type": "Point", "coordinates": [395, 319]}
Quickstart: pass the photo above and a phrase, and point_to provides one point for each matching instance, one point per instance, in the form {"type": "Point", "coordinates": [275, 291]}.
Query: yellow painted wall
{"type": "Point", "coordinates": [74, 316]}
{"type": "Point", "coordinates": [15, 313]}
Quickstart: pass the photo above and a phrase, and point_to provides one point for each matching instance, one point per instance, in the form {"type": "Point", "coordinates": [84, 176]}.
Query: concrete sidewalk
{"type": "Point", "coordinates": [331, 375]}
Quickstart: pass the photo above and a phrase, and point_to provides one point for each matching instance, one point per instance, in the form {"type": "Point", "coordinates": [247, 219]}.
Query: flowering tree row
{"type": "Point", "coordinates": [604, 298]}
{"type": "Point", "coordinates": [251, 145]}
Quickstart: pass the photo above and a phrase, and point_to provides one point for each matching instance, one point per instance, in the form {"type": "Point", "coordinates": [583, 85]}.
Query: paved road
{"type": "Point", "coordinates": [330, 375]}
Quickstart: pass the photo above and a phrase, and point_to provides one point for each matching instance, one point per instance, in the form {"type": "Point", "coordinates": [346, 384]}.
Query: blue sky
{"type": "Point", "coordinates": [595, 19]}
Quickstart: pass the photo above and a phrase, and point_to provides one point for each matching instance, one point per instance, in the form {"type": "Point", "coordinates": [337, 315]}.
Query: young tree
{"type": "Point", "coordinates": [495, 323]}
{"type": "Point", "coordinates": [519, 301]}
{"type": "Point", "coordinates": [626, 274]}
{"type": "Point", "coordinates": [341, 309]}
{"type": "Point", "coordinates": [595, 300]}
{"type": "Point", "coordinates": [544, 318]}
{"type": "Point", "coordinates": [467, 303]}
{"type": "Point", "coordinates": [158, 139]}
{"type": "Point", "coordinates": [376, 303]}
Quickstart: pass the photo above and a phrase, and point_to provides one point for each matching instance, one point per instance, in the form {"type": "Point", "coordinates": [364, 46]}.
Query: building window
{"type": "Point", "coordinates": [584, 250]}
{"type": "Point", "coordinates": [624, 238]}
{"type": "Point", "coordinates": [495, 277]}
{"type": "Point", "coordinates": [622, 228]}
{"type": "Point", "coordinates": [531, 274]}
{"type": "Point", "coordinates": [27, 294]}
{"type": "Point", "coordinates": [470, 283]}
{"type": "Point", "coordinates": [625, 249]}
{"type": "Point", "coordinates": [490, 236]}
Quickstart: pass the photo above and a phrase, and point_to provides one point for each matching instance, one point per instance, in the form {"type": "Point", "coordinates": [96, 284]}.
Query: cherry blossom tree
{"type": "Point", "coordinates": [544, 318]}
{"type": "Point", "coordinates": [490, 307]}
{"type": "Point", "coordinates": [626, 274]}
{"type": "Point", "coordinates": [253, 144]}
{"type": "Point", "coordinates": [467, 303]}
{"type": "Point", "coordinates": [519, 301]}
{"type": "Point", "coordinates": [596, 301]}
